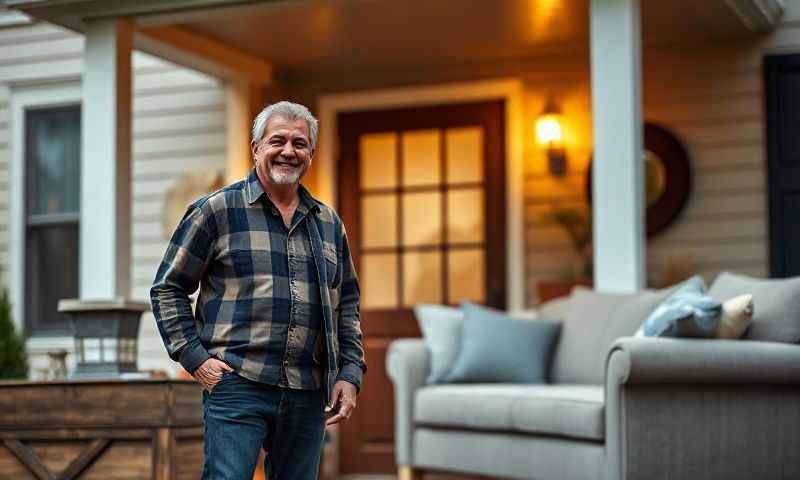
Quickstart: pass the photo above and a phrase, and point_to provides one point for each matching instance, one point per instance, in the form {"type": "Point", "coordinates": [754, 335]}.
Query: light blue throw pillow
{"type": "Point", "coordinates": [496, 348]}
{"type": "Point", "coordinates": [441, 329]}
{"type": "Point", "coordinates": [688, 312]}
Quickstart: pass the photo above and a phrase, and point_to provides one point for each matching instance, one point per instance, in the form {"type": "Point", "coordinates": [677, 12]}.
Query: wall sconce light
{"type": "Point", "coordinates": [550, 136]}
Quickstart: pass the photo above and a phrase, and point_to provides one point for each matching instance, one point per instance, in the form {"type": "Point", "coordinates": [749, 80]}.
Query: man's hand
{"type": "Point", "coordinates": [209, 372]}
{"type": "Point", "coordinates": [344, 394]}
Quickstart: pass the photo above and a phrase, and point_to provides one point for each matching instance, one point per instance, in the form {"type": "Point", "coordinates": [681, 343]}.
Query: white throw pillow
{"type": "Point", "coordinates": [737, 314]}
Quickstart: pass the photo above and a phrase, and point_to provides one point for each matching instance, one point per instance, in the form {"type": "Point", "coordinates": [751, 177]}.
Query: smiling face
{"type": "Point", "coordinates": [284, 153]}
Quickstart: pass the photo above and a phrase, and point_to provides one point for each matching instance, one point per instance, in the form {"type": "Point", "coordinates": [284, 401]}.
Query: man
{"type": "Point", "coordinates": [275, 339]}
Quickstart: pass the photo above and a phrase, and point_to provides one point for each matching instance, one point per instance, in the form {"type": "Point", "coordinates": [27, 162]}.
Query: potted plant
{"type": "Point", "coordinates": [577, 224]}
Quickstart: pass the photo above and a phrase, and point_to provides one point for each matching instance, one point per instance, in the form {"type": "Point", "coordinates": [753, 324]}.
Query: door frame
{"type": "Point", "coordinates": [508, 89]}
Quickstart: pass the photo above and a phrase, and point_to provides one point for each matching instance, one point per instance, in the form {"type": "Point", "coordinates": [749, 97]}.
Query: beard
{"type": "Point", "coordinates": [281, 177]}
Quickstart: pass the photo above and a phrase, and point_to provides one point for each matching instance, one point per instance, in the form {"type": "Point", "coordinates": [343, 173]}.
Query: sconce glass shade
{"type": "Point", "coordinates": [548, 130]}
{"type": "Point", "coordinates": [549, 135]}
{"type": "Point", "coordinates": [548, 126]}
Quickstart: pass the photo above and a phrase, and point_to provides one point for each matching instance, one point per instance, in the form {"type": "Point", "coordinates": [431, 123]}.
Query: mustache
{"type": "Point", "coordinates": [283, 159]}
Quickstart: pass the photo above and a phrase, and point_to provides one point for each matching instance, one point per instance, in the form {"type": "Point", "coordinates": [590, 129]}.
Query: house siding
{"type": "Point", "coordinates": [712, 101]}
{"type": "Point", "coordinates": [709, 95]}
{"type": "Point", "coordinates": [178, 127]}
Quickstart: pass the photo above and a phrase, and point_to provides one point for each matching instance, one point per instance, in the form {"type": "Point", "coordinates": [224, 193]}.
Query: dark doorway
{"type": "Point", "coordinates": [782, 87]}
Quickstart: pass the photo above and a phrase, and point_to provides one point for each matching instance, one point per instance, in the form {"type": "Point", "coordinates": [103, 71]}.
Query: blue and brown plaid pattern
{"type": "Point", "coordinates": [260, 308]}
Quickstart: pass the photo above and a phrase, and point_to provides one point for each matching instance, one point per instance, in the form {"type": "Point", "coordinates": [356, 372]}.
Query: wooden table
{"type": "Point", "coordinates": [101, 429]}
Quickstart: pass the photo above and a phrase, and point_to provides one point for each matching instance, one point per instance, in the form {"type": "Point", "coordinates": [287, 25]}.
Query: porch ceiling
{"type": "Point", "coordinates": [341, 35]}
{"type": "Point", "coordinates": [364, 34]}
{"type": "Point", "coordinates": [360, 35]}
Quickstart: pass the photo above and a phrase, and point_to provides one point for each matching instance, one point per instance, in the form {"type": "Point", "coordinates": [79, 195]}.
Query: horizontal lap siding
{"type": "Point", "coordinates": [178, 127]}
{"type": "Point", "coordinates": [715, 108]}
{"type": "Point", "coordinates": [711, 98]}
{"type": "Point", "coordinates": [710, 95]}
{"type": "Point", "coordinates": [34, 53]}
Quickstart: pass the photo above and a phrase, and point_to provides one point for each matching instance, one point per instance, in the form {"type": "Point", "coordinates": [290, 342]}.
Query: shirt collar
{"type": "Point", "coordinates": [254, 191]}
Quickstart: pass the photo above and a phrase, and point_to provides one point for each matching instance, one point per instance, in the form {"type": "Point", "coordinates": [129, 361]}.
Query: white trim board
{"type": "Point", "coordinates": [53, 95]}
{"type": "Point", "coordinates": [508, 89]}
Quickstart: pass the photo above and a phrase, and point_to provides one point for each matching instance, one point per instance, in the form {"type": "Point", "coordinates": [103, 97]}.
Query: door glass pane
{"type": "Point", "coordinates": [51, 274]}
{"type": "Point", "coordinates": [53, 147]}
{"type": "Point", "coordinates": [422, 278]}
{"type": "Point", "coordinates": [422, 218]}
{"type": "Point", "coordinates": [379, 220]}
{"type": "Point", "coordinates": [421, 157]}
{"type": "Point", "coordinates": [465, 215]}
{"type": "Point", "coordinates": [465, 275]}
{"type": "Point", "coordinates": [379, 282]}
{"type": "Point", "coordinates": [464, 154]}
{"type": "Point", "coordinates": [378, 160]}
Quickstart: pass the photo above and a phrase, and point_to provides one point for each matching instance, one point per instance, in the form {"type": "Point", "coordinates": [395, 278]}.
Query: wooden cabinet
{"type": "Point", "coordinates": [101, 429]}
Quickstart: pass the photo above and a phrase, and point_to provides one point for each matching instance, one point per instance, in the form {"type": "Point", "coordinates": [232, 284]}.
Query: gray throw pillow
{"type": "Point", "coordinates": [441, 330]}
{"type": "Point", "coordinates": [497, 348]}
{"type": "Point", "coordinates": [688, 312]}
{"type": "Point", "coordinates": [776, 302]}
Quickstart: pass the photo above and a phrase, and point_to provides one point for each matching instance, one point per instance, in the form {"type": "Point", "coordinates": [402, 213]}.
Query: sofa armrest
{"type": "Point", "coordinates": [683, 360]}
{"type": "Point", "coordinates": [407, 363]}
{"type": "Point", "coordinates": [692, 408]}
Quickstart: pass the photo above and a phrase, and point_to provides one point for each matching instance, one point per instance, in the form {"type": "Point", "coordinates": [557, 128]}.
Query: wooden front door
{"type": "Point", "coordinates": [421, 192]}
{"type": "Point", "coordinates": [782, 87]}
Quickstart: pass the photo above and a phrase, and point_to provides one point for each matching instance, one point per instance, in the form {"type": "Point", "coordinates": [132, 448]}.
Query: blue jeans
{"type": "Point", "coordinates": [241, 416]}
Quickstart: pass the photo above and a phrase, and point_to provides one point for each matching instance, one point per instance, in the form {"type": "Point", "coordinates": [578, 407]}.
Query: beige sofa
{"type": "Point", "coordinates": [617, 407]}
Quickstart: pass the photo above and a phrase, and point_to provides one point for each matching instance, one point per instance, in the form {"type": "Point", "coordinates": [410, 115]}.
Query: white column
{"type": "Point", "coordinates": [618, 191]}
{"type": "Point", "coordinates": [105, 249]}
{"type": "Point", "coordinates": [239, 122]}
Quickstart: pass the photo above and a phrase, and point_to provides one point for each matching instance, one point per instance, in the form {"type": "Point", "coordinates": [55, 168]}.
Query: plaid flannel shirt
{"type": "Point", "coordinates": [224, 245]}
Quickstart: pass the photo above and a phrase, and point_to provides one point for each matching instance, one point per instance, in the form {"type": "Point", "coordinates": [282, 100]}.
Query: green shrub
{"type": "Point", "coordinates": [13, 359]}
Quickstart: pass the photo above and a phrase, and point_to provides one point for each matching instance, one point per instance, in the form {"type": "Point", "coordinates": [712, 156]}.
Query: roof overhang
{"type": "Point", "coordinates": [172, 43]}
{"type": "Point", "coordinates": [251, 40]}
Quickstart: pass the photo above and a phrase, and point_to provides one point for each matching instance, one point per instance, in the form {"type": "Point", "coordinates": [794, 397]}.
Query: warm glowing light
{"type": "Point", "coordinates": [548, 130]}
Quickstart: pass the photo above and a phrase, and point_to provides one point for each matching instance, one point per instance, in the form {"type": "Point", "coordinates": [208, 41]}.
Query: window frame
{"type": "Point", "coordinates": [23, 98]}
{"type": "Point", "coordinates": [34, 326]}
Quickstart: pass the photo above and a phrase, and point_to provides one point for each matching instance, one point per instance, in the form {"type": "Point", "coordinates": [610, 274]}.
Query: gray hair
{"type": "Point", "coordinates": [289, 111]}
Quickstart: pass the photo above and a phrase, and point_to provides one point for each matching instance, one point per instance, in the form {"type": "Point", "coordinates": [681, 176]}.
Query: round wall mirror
{"type": "Point", "coordinates": [667, 176]}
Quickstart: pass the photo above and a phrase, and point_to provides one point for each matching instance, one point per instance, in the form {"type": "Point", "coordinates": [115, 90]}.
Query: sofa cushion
{"type": "Point", "coordinates": [574, 411]}
{"type": "Point", "coordinates": [594, 320]}
{"type": "Point", "coordinates": [555, 309]}
{"type": "Point", "coordinates": [776, 305]}
{"type": "Point", "coordinates": [497, 348]}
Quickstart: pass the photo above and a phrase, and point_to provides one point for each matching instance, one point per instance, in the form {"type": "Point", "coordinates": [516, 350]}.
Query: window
{"type": "Point", "coordinates": [52, 215]}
